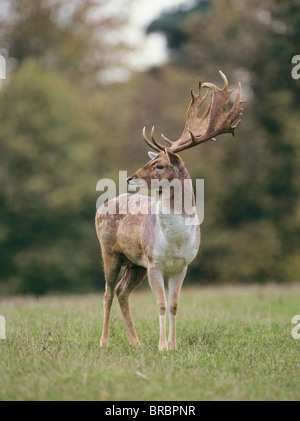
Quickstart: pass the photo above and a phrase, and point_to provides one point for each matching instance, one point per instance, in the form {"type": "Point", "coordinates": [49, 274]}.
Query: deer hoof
{"type": "Point", "coordinates": [163, 347]}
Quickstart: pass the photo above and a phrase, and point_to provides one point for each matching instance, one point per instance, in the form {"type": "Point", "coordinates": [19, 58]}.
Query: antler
{"type": "Point", "coordinates": [213, 122]}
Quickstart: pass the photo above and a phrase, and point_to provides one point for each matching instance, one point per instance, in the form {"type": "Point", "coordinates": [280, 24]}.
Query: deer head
{"type": "Point", "coordinates": [164, 165]}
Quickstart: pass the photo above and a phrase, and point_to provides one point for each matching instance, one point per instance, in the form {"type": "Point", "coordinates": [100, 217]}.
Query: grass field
{"type": "Point", "coordinates": [234, 343]}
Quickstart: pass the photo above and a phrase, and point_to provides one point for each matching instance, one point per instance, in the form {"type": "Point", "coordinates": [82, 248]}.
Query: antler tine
{"type": "Point", "coordinates": [166, 139]}
{"type": "Point", "coordinates": [238, 104]}
{"type": "Point", "coordinates": [224, 79]}
{"type": "Point", "coordinates": [155, 144]}
{"type": "Point", "coordinates": [235, 126]}
{"type": "Point", "coordinates": [161, 147]}
{"type": "Point", "coordinates": [212, 86]}
{"type": "Point", "coordinates": [148, 141]}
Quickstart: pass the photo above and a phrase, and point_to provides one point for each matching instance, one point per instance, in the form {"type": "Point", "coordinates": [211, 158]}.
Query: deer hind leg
{"type": "Point", "coordinates": [112, 266]}
{"type": "Point", "coordinates": [175, 284]}
{"type": "Point", "coordinates": [133, 276]}
{"type": "Point", "coordinates": [156, 281]}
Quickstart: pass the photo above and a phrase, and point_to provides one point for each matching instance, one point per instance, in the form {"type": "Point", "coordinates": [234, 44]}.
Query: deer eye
{"type": "Point", "coordinates": [159, 167]}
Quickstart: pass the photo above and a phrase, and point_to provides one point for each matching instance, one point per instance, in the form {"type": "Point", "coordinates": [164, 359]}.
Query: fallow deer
{"type": "Point", "coordinates": [160, 244]}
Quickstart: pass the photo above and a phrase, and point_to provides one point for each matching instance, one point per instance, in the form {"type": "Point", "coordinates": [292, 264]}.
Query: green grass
{"type": "Point", "coordinates": [234, 343]}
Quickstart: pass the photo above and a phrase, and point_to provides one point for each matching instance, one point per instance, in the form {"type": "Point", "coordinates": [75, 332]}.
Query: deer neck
{"type": "Point", "coordinates": [177, 207]}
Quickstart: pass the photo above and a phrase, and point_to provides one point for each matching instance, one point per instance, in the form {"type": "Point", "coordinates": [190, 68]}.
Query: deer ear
{"type": "Point", "coordinates": [174, 160]}
{"type": "Point", "coordinates": [152, 155]}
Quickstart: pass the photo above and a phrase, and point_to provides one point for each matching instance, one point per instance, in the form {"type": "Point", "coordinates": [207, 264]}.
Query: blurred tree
{"type": "Point", "coordinates": [252, 211]}
{"type": "Point", "coordinates": [47, 189]}
{"type": "Point", "coordinates": [53, 141]}
{"type": "Point", "coordinates": [58, 140]}
{"type": "Point", "coordinates": [70, 37]}
{"type": "Point", "coordinates": [171, 24]}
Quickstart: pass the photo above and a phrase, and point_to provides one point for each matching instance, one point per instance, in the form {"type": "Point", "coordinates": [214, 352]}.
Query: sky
{"type": "Point", "coordinates": [148, 50]}
{"type": "Point", "coordinates": [153, 49]}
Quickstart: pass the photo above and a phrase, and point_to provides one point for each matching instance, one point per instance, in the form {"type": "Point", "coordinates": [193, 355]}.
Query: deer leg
{"type": "Point", "coordinates": [175, 284]}
{"type": "Point", "coordinates": [156, 281]}
{"type": "Point", "coordinates": [112, 266]}
{"type": "Point", "coordinates": [132, 277]}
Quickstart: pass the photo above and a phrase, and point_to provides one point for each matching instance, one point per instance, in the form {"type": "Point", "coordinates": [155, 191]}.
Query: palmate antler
{"type": "Point", "coordinates": [213, 122]}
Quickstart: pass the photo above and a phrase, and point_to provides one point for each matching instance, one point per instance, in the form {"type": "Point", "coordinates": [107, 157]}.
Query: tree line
{"type": "Point", "coordinates": [62, 128]}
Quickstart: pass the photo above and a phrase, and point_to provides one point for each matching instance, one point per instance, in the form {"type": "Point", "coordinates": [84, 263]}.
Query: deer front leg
{"type": "Point", "coordinates": [175, 284]}
{"type": "Point", "coordinates": [107, 302]}
{"type": "Point", "coordinates": [156, 281]}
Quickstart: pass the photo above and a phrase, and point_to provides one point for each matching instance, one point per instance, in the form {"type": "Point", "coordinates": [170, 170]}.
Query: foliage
{"type": "Point", "coordinates": [47, 184]}
{"type": "Point", "coordinates": [255, 224]}
{"type": "Point", "coordinates": [62, 130]}
{"type": "Point", "coordinates": [70, 38]}
{"type": "Point", "coordinates": [171, 24]}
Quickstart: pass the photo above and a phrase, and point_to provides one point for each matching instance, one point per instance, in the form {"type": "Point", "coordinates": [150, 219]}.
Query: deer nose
{"type": "Point", "coordinates": [129, 179]}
